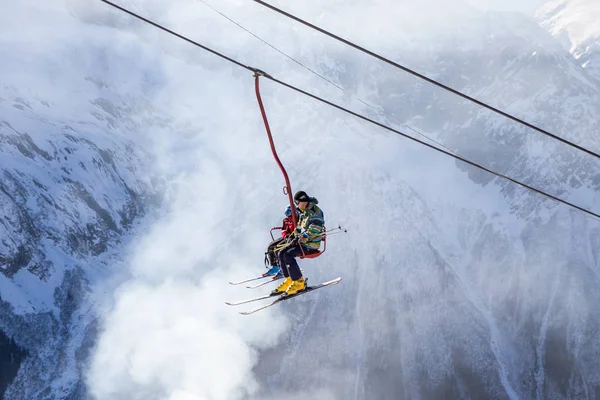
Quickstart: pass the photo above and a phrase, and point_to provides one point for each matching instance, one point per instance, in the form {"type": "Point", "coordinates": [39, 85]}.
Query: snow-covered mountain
{"type": "Point", "coordinates": [74, 183]}
{"type": "Point", "coordinates": [69, 200]}
{"type": "Point", "coordinates": [455, 284]}
{"type": "Point", "coordinates": [575, 24]}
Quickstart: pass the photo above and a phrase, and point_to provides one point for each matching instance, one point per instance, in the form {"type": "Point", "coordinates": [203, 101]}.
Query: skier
{"type": "Point", "coordinates": [305, 239]}
{"type": "Point", "coordinates": [286, 229]}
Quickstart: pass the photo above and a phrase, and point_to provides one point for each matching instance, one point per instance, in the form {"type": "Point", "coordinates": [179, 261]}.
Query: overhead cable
{"type": "Point", "coordinates": [377, 110]}
{"type": "Point", "coordinates": [267, 76]}
{"type": "Point", "coordinates": [432, 81]}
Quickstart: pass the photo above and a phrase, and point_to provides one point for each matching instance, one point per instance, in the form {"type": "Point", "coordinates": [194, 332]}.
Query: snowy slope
{"type": "Point", "coordinates": [67, 204]}
{"type": "Point", "coordinates": [73, 183]}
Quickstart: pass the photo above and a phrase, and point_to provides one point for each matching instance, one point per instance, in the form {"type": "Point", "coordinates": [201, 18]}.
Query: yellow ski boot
{"type": "Point", "coordinates": [283, 287]}
{"type": "Point", "coordinates": [296, 286]}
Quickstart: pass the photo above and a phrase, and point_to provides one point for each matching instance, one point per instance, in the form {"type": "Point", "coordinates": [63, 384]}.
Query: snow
{"type": "Point", "coordinates": [577, 18]}
{"type": "Point", "coordinates": [574, 23]}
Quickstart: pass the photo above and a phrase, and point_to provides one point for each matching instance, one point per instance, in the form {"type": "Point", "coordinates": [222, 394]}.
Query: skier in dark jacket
{"type": "Point", "coordinates": [287, 228]}
{"type": "Point", "coordinates": [305, 239]}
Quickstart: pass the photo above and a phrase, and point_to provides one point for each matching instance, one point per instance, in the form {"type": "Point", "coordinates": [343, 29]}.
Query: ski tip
{"type": "Point", "coordinates": [333, 282]}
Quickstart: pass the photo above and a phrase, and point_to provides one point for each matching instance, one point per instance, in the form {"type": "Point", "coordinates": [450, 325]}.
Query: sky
{"type": "Point", "coordinates": [166, 333]}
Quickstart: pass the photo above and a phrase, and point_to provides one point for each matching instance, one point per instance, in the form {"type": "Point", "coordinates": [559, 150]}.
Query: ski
{"type": "Point", "coordinates": [263, 276]}
{"type": "Point", "coordinates": [263, 283]}
{"type": "Point", "coordinates": [282, 298]}
{"type": "Point", "coordinates": [275, 278]}
{"type": "Point", "coordinates": [237, 303]}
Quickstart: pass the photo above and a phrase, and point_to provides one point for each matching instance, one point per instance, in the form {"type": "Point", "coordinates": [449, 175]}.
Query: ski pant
{"type": "Point", "coordinates": [288, 264]}
{"type": "Point", "coordinates": [287, 261]}
{"type": "Point", "coordinates": [270, 254]}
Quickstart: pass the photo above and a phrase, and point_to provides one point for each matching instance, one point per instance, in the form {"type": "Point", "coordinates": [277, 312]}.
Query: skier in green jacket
{"type": "Point", "coordinates": [306, 239]}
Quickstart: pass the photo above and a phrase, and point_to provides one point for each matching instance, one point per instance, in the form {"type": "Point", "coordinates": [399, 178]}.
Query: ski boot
{"type": "Point", "coordinates": [296, 286]}
{"type": "Point", "coordinates": [283, 287]}
{"type": "Point", "coordinates": [274, 270]}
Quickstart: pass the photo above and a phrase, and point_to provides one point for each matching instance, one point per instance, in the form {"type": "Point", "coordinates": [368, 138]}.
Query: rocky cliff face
{"type": "Point", "coordinates": [11, 355]}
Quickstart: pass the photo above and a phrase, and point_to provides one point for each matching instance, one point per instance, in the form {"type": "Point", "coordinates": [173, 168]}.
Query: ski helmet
{"type": "Point", "coordinates": [301, 196]}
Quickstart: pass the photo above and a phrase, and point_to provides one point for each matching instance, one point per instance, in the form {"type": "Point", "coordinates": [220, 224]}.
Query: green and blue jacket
{"type": "Point", "coordinates": [311, 225]}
